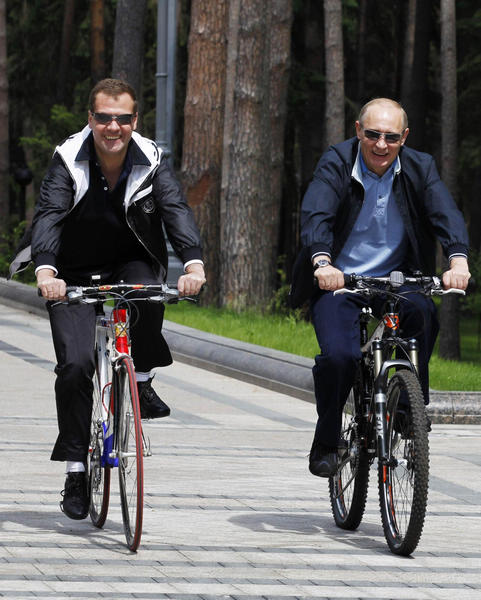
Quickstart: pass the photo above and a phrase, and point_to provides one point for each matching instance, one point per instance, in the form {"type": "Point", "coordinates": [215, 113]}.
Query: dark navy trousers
{"type": "Point", "coordinates": [336, 323]}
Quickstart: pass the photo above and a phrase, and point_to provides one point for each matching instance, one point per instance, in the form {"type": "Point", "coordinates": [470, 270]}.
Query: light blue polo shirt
{"type": "Point", "coordinates": [377, 243]}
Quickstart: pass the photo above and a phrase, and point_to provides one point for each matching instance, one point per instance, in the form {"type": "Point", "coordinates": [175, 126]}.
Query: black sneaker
{"type": "Point", "coordinates": [323, 460]}
{"type": "Point", "coordinates": [151, 406]}
{"type": "Point", "coordinates": [75, 503]}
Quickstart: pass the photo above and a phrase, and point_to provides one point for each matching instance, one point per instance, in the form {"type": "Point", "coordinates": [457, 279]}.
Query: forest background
{"type": "Point", "coordinates": [262, 88]}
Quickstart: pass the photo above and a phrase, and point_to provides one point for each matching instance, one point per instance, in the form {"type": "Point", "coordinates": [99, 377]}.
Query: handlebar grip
{"type": "Point", "coordinates": [349, 280]}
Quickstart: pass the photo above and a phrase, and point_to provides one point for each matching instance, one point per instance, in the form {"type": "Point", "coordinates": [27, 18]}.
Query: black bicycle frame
{"type": "Point", "coordinates": [379, 349]}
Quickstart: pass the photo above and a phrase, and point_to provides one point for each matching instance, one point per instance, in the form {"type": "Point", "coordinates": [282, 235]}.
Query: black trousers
{"type": "Point", "coordinates": [336, 323]}
{"type": "Point", "coordinates": [73, 333]}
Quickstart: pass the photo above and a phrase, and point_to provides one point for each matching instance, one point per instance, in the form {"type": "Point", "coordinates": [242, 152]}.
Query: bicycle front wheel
{"type": "Point", "coordinates": [130, 451]}
{"type": "Point", "coordinates": [348, 488]}
{"type": "Point", "coordinates": [403, 482]}
{"type": "Point", "coordinates": [98, 470]}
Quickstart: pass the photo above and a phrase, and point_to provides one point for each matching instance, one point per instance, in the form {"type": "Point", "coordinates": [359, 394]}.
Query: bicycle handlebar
{"type": "Point", "coordinates": [365, 284]}
{"type": "Point", "coordinates": [98, 293]}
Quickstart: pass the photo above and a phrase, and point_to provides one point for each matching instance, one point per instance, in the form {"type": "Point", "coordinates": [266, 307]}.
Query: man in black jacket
{"type": "Point", "coordinates": [102, 205]}
{"type": "Point", "coordinates": [373, 206]}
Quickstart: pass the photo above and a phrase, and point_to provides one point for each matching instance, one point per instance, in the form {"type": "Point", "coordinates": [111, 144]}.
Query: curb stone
{"type": "Point", "coordinates": [279, 371]}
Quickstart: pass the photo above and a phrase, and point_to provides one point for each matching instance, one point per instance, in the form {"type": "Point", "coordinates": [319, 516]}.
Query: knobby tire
{"type": "Point", "coordinates": [403, 487]}
{"type": "Point", "coordinates": [348, 488]}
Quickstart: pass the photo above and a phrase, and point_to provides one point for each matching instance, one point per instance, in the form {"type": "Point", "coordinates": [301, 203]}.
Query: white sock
{"type": "Point", "coordinates": [74, 467]}
{"type": "Point", "coordinates": [140, 376]}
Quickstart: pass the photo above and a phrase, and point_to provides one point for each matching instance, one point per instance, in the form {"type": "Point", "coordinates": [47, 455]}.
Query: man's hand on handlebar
{"type": "Point", "coordinates": [50, 287]}
{"type": "Point", "coordinates": [329, 278]}
{"type": "Point", "coordinates": [191, 283]}
{"type": "Point", "coordinates": [458, 274]}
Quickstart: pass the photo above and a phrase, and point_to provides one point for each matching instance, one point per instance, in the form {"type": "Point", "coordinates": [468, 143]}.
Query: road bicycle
{"type": "Point", "coordinates": [116, 436]}
{"type": "Point", "coordinates": [385, 418]}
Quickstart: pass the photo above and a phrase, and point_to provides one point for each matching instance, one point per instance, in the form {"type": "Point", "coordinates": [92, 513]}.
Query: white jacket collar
{"type": "Point", "coordinates": [79, 169]}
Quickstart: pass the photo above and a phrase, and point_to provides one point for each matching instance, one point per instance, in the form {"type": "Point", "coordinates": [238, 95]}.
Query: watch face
{"type": "Point", "coordinates": [321, 263]}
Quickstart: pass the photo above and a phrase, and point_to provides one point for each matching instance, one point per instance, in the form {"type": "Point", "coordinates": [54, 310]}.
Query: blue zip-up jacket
{"type": "Point", "coordinates": [334, 198]}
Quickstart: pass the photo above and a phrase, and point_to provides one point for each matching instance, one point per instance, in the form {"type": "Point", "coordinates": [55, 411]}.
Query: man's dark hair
{"type": "Point", "coordinates": [114, 88]}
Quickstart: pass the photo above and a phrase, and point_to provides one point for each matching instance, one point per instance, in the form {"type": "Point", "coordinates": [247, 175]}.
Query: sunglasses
{"type": "Point", "coordinates": [389, 138]}
{"type": "Point", "coordinates": [105, 119]}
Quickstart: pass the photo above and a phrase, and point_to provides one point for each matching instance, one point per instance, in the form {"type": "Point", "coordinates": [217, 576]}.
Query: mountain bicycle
{"type": "Point", "coordinates": [385, 417]}
{"type": "Point", "coordinates": [116, 436]}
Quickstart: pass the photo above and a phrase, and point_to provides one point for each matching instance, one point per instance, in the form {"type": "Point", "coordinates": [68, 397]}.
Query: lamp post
{"type": "Point", "coordinates": [165, 76]}
{"type": "Point", "coordinates": [165, 98]}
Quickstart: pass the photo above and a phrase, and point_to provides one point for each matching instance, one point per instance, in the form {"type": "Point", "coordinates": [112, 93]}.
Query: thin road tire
{"type": "Point", "coordinates": [98, 470]}
{"type": "Point", "coordinates": [130, 451]}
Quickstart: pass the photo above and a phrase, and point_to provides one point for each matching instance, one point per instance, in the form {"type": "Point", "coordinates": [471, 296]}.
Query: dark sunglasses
{"type": "Point", "coordinates": [105, 119]}
{"type": "Point", "coordinates": [390, 138]}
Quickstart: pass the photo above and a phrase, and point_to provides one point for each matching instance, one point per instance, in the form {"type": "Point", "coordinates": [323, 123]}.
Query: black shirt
{"type": "Point", "coordinates": [95, 236]}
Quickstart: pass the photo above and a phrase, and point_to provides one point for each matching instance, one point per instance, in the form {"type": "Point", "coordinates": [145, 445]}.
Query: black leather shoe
{"type": "Point", "coordinates": [75, 503]}
{"type": "Point", "coordinates": [151, 406]}
{"type": "Point", "coordinates": [323, 461]}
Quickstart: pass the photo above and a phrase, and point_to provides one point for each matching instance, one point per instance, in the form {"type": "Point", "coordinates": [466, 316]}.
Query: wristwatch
{"type": "Point", "coordinates": [320, 263]}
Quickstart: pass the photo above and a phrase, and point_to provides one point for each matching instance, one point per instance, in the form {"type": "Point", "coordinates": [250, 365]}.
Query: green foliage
{"type": "Point", "coordinates": [41, 145]}
{"type": "Point", "coordinates": [8, 246]}
{"type": "Point", "coordinates": [279, 303]}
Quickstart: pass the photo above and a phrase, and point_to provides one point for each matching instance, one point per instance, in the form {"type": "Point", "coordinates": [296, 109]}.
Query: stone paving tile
{"type": "Point", "coordinates": [231, 510]}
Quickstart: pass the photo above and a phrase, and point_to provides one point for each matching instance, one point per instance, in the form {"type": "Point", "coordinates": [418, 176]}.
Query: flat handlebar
{"type": "Point", "coordinates": [364, 284]}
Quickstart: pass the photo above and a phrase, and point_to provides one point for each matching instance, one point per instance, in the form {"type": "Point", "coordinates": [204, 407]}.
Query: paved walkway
{"type": "Point", "coordinates": [231, 510]}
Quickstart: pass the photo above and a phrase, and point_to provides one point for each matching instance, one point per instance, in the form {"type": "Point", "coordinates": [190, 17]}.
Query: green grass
{"type": "Point", "coordinates": [272, 331]}
{"type": "Point", "coordinates": [297, 337]}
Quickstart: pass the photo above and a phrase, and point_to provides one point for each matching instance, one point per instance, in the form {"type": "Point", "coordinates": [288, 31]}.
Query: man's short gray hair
{"type": "Point", "coordinates": [374, 101]}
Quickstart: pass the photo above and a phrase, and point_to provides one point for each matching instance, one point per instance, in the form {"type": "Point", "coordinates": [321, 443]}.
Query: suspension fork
{"type": "Point", "coordinates": [380, 402]}
{"type": "Point", "coordinates": [381, 371]}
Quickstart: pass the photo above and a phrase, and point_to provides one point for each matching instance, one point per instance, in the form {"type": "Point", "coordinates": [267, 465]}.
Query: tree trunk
{"type": "Point", "coordinates": [449, 346]}
{"type": "Point", "coordinates": [257, 61]}
{"type": "Point", "coordinates": [308, 47]}
{"type": "Point", "coordinates": [64, 60]}
{"type": "Point", "coordinates": [415, 69]}
{"type": "Point", "coordinates": [408, 57]}
{"type": "Point", "coordinates": [203, 130]}
{"type": "Point", "coordinates": [4, 151]}
{"type": "Point", "coordinates": [129, 42]}
{"type": "Point", "coordinates": [335, 128]}
{"type": "Point", "coordinates": [361, 50]}
{"type": "Point", "coordinates": [97, 41]}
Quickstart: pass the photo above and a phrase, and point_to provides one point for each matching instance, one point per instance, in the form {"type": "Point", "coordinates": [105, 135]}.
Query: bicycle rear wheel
{"type": "Point", "coordinates": [403, 485]}
{"type": "Point", "coordinates": [130, 451]}
{"type": "Point", "coordinates": [99, 472]}
{"type": "Point", "coordinates": [348, 488]}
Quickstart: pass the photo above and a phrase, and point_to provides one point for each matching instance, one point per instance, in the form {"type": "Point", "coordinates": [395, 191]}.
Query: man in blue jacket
{"type": "Point", "coordinates": [373, 206]}
{"type": "Point", "coordinates": [101, 211]}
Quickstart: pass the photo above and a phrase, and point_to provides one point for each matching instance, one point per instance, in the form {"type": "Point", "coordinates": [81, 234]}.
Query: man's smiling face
{"type": "Point", "coordinates": [112, 139]}
{"type": "Point", "coordinates": [384, 118]}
